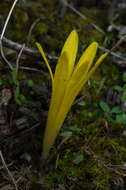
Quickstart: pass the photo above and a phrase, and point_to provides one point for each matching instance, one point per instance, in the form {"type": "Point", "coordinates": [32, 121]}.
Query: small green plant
{"type": "Point", "coordinates": [66, 84]}
{"type": "Point", "coordinates": [66, 133]}
{"type": "Point", "coordinates": [78, 159]}
{"type": "Point", "coordinates": [115, 115]}
{"type": "Point", "coordinates": [72, 129]}
{"type": "Point", "coordinates": [18, 96]}
{"type": "Point", "coordinates": [90, 159]}
{"type": "Point", "coordinates": [82, 103]}
{"type": "Point", "coordinates": [104, 106]}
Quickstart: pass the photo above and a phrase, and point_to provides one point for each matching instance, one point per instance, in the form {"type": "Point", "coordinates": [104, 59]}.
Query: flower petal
{"type": "Point", "coordinates": [45, 59]}
{"type": "Point", "coordinates": [60, 82]}
{"type": "Point", "coordinates": [73, 89]}
{"type": "Point", "coordinates": [71, 47]}
{"type": "Point", "coordinates": [77, 82]}
{"type": "Point", "coordinates": [98, 62]}
{"type": "Point", "coordinates": [88, 55]}
{"type": "Point", "coordinates": [79, 79]}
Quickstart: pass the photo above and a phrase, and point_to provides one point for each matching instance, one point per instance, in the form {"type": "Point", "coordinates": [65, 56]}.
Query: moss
{"type": "Point", "coordinates": [4, 8]}
{"type": "Point", "coordinates": [95, 169]}
{"type": "Point", "coordinates": [17, 31]}
{"type": "Point", "coordinates": [114, 75]}
{"type": "Point", "coordinates": [93, 14]}
{"type": "Point", "coordinates": [41, 28]}
{"type": "Point", "coordinates": [95, 142]}
{"type": "Point", "coordinates": [87, 34]}
{"type": "Point", "coordinates": [48, 4]}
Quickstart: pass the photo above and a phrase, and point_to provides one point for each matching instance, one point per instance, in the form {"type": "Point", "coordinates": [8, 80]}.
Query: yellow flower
{"type": "Point", "coordinates": [66, 84]}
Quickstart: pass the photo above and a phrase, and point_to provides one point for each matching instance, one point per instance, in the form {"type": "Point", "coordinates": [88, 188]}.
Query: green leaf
{"type": "Point", "coordinates": [1, 82]}
{"type": "Point", "coordinates": [124, 77]}
{"type": "Point", "coordinates": [66, 133]}
{"type": "Point", "coordinates": [118, 88]}
{"type": "Point", "coordinates": [117, 109]}
{"type": "Point", "coordinates": [104, 106]}
{"type": "Point", "coordinates": [23, 99]}
{"type": "Point", "coordinates": [74, 128]}
{"type": "Point", "coordinates": [78, 159]}
{"type": "Point", "coordinates": [30, 83]}
{"type": "Point", "coordinates": [14, 77]}
{"type": "Point", "coordinates": [17, 92]}
{"type": "Point", "coordinates": [19, 98]}
{"type": "Point", "coordinates": [82, 103]}
{"type": "Point", "coordinates": [123, 98]}
{"type": "Point", "coordinates": [121, 119]}
{"type": "Point", "coordinates": [16, 95]}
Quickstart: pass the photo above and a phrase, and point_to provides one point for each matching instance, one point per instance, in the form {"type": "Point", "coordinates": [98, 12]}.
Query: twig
{"type": "Point", "coordinates": [3, 56]}
{"type": "Point", "coordinates": [112, 53]}
{"type": "Point", "coordinates": [27, 51]}
{"type": "Point", "coordinates": [7, 20]}
{"type": "Point", "coordinates": [64, 2]}
{"type": "Point", "coordinates": [8, 171]}
{"type": "Point", "coordinates": [33, 69]}
{"type": "Point", "coordinates": [18, 58]}
{"type": "Point", "coordinates": [79, 100]}
{"type": "Point", "coordinates": [31, 29]}
{"type": "Point", "coordinates": [119, 42]}
{"type": "Point", "coordinates": [3, 32]}
{"type": "Point", "coordinates": [32, 52]}
{"type": "Point", "coordinates": [101, 84]}
{"type": "Point", "coordinates": [2, 167]}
